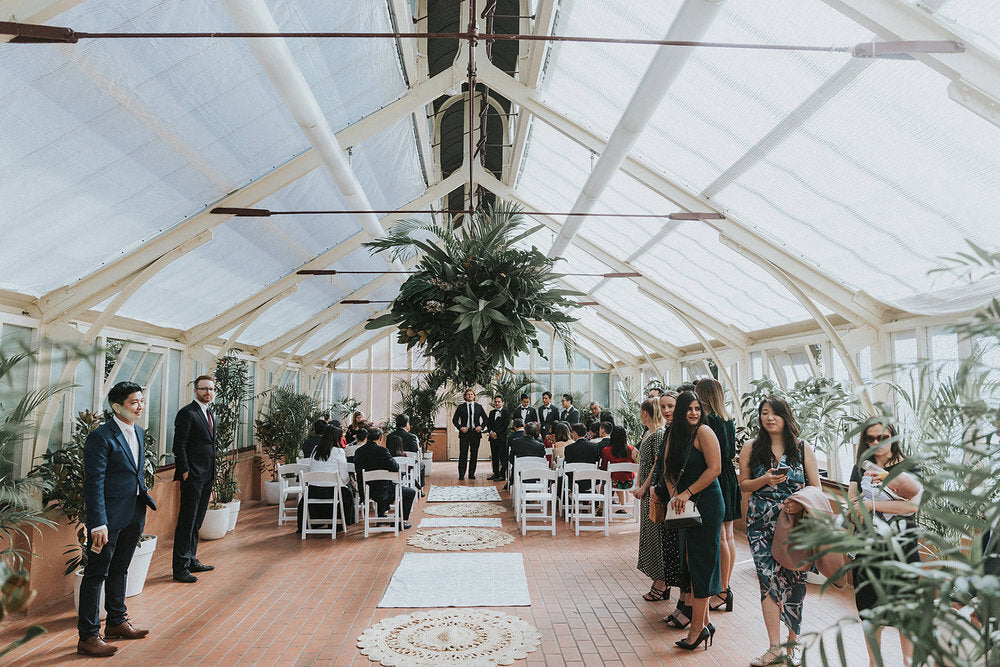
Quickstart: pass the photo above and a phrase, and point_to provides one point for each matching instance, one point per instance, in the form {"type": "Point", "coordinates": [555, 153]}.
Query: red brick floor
{"type": "Point", "coordinates": [275, 599]}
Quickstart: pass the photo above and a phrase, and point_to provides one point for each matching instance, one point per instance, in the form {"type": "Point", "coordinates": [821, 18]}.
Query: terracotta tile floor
{"type": "Point", "coordinates": [277, 600]}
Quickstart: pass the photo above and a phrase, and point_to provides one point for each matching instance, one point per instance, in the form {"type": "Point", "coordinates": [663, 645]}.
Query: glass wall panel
{"type": "Point", "coordinates": [559, 360]}
{"type": "Point", "coordinates": [602, 388]}
{"type": "Point", "coordinates": [380, 404]}
{"type": "Point", "coordinates": [380, 353]}
{"type": "Point", "coordinates": [338, 385]}
{"type": "Point", "coordinates": [14, 340]}
{"type": "Point", "coordinates": [560, 385]}
{"type": "Point", "coordinates": [359, 391]}
{"type": "Point", "coordinates": [400, 355]}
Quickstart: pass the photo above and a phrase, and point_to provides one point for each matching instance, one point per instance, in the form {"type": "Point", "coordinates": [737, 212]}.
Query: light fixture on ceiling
{"type": "Point", "coordinates": [264, 213]}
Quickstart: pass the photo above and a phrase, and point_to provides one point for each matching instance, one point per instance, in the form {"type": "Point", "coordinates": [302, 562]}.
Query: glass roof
{"type": "Point", "coordinates": [864, 170]}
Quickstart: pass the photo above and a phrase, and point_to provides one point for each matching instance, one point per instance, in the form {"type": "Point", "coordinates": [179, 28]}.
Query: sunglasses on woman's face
{"type": "Point", "coordinates": [872, 439]}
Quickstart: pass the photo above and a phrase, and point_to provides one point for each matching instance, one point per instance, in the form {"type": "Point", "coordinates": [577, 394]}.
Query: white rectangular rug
{"type": "Point", "coordinates": [458, 580]}
{"type": "Point", "coordinates": [452, 494]}
{"type": "Point", "coordinates": [460, 521]}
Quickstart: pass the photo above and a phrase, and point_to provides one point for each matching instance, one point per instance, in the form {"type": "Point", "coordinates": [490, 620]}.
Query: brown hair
{"type": "Point", "coordinates": [203, 377]}
{"type": "Point", "coordinates": [711, 396]}
{"type": "Point", "coordinates": [651, 406]}
{"type": "Point", "coordinates": [896, 452]}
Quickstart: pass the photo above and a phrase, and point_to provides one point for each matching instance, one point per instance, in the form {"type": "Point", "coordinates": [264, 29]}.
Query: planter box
{"type": "Point", "coordinates": [234, 512]}
{"type": "Point", "coordinates": [272, 493]}
{"type": "Point", "coordinates": [139, 567]}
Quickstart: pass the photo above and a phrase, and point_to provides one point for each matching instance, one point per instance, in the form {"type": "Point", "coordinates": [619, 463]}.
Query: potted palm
{"type": "Point", "coordinates": [421, 402]}
{"type": "Point", "coordinates": [280, 433]}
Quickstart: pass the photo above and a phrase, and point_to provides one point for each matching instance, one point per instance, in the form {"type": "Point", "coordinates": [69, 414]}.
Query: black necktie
{"type": "Point", "coordinates": [470, 415]}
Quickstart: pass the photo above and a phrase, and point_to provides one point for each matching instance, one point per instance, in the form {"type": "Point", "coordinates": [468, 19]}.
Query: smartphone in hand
{"type": "Point", "coordinates": [781, 471]}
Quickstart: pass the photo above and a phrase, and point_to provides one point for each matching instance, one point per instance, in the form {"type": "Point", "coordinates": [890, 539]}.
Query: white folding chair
{"type": "Point", "coordinates": [587, 503]}
{"type": "Point", "coordinates": [405, 470]}
{"type": "Point", "coordinates": [415, 472]}
{"type": "Point", "coordinates": [312, 481]}
{"type": "Point", "coordinates": [567, 492]}
{"type": "Point", "coordinates": [393, 521]}
{"type": "Point", "coordinates": [631, 504]}
{"type": "Point", "coordinates": [289, 490]}
{"type": "Point", "coordinates": [529, 463]}
{"type": "Point", "coordinates": [537, 498]}
{"type": "Point", "coordinates": [350, 449]}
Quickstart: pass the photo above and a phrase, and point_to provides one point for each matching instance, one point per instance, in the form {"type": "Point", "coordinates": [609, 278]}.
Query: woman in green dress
{"type": "Point", "coordinates": [692, 462]}
{"type": "Point", "coordinates": [714, 405]}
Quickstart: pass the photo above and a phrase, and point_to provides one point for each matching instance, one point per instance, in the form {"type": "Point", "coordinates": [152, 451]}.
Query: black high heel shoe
{"type": "Point", "coordinates": [727, 601]}
{"type": "Point", "coordinates": [680, 617]}
{"type": "Point", "coordinates": [703, 636]}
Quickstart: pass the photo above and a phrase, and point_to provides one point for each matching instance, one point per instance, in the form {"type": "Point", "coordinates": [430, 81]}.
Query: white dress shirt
{"type": "Point", "coordinates": [336, 463]}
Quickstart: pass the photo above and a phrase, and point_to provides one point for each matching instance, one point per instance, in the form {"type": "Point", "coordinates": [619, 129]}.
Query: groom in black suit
{"type": "Point", "coordinates": [547, 414]}
{"type": "Point", "coordinates": [194, 460]}
{"type": "Point", "coordinates": [114, 491]}
{"type": "Point", "coordinates": [470, 420]}
{"type": "Point", "coordinates": [497, 425]}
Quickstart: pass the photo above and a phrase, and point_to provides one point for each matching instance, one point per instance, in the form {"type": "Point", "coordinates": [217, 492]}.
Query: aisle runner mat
{"type": "Point", "coordinates": [458, 580]}
{"type": "Point", "coordinates": [451, 494]}
{"type": "Point", "coordinates": [460, 522]}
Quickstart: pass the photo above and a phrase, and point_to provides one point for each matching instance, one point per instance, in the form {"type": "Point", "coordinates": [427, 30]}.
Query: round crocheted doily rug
{"type": "Point", "coordinates": [465, 509]}
{"type": "Point", "coordinates": [449, 637]}
{"type": "Point", "coordinates": [459, 538]}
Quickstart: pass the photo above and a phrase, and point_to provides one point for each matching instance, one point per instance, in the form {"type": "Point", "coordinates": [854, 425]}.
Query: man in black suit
{"type": "Point", "coordinates": [526, 445]}
{"type": "Point", "coordinates": [593, 414]}
{"type": "Point", "coordinates": [581, 451]}
{"type": "Point", "coordinates": [114, 491]}
{"type": "Point", "coordinates": [470, 420]}
{"type": "Point", "coordinates": [194, 461]}
{"type": "Point", "coordinates": [547, 415]}
{"type": "Point", "coordinates": [410, 441]}
{"type": "Point", "coordinates": [496, 425]}
{"type": "Point", "coordinates": [373, 456]}
{"type": "Point", "coordinates": [568, 414]}
{"type": "Point", "coordinates": [525, 412]}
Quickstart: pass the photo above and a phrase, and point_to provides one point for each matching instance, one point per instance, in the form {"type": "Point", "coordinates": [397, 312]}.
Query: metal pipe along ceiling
{"type": "Point", "coordinates": [691, 23]}
{"type": "Point", "coordinates": [277, 61]}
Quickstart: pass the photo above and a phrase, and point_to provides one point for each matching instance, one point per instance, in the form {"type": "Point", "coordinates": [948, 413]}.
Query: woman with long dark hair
{"type": "Point", "coordinates": [691, 466]}
{"type": "Point", "coordinates": [329, 456]}
{"type": "Point", "coordinates": [713, 401]}
{"type": "Point", "coordinates": [772, 467]}
{"type": "Point", "coordinates": [619, 451]}
{"type": "Point", "coordinates": [879, 443]}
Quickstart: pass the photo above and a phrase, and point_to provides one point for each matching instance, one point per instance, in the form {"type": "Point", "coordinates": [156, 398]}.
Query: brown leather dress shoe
{"type": "Point", "coordinates": [124, 631]}
{"type": "Point", "coordinates": [95, 647]}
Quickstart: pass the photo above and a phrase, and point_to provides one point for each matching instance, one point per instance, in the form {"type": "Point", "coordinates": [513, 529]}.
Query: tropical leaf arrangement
{"type": "Point", "coordinates": [475, 296]}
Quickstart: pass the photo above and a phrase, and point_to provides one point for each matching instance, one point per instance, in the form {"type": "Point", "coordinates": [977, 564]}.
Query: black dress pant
{"type": "Point", "coordinates": [195, 495]}
{"type": "Point", "coordinates": [498, 454]}
{"type": "Point", "coordinates": [468, 452]}
{"type": "Point", "coordinates": [109, 569]}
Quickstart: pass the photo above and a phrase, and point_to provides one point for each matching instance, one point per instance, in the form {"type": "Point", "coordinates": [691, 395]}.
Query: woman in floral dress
{"type": "Point", "coordinates": [774, 466]}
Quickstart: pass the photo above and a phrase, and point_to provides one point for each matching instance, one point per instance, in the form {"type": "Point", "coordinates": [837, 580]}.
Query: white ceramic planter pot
{"type": "Point", "coordinates": [272, 492]}
{"type": "Point", "coordinates": [428, 462]}
{"type": "Point", "coordinates": [216, 524]}
{"type": "Point", "coordinates": [139, 567]}
{"type": "Point", "coordinates": [234, 512]}
{"type": "Point", "coordinates": [78, 576]}
{"type": "Point", "coordinates": [815, 578]}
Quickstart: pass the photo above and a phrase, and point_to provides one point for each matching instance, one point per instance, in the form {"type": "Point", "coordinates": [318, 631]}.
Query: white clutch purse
{"type": "Point", "coordinates": [688, 518]}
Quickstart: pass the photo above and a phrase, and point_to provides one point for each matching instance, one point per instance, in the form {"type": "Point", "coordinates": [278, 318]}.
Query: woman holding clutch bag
{"type": "Point", "coordinates": [772, 467]}
{"type": "Point", "coordinates": [691, 465]}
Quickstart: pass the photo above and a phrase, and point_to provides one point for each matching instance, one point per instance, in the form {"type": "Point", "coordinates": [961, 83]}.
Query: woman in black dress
{"type": "Point", "coordinates": [713, 401]}
{"type": "Point", "coordinates": [691, 464]}
{"type": "Point", "coordinates": [866, 489]}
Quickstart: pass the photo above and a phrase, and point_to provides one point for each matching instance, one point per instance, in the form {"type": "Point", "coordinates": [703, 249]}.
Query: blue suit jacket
{"type": "Point", "coordinates": [110, 477]}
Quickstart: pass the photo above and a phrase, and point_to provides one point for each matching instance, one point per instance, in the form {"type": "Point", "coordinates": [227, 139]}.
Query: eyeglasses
{"type": "Point", "coordinates": [204, 388]}
{"type": "Point", "coordinates": [872, 439]}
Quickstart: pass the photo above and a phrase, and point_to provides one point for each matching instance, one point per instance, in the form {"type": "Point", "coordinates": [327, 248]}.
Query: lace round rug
{"type": "Point", "coordinates": [449, 637]}
{"type": "Point", "coordinates": [461, 538]}
{"type": "Point", "coordinates": [465, 509]}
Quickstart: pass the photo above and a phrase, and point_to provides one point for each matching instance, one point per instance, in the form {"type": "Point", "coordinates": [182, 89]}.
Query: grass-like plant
{"type": "Point", "coordinates": [232, 389]}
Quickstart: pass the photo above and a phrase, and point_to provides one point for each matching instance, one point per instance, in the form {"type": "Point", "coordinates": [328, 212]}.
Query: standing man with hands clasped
{"type": "Point", "coordinates": [194, 458]}
{"type": "Point", "coordinates": [470, 420]}
{"type": "Point", "coordinates": [497, 424]}
{"type": "Point", "coordinates": [114, 490]}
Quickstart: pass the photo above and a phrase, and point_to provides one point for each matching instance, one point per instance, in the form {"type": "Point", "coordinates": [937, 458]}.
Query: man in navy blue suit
{"type": "Point", "coordinates": [114, 490]}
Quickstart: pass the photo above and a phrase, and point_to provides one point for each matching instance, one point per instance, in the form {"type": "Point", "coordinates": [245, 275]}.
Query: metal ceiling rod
{"type": "Point", "coordinates": [692, 21]}
{"type": "Point", "coordinates": [277, 61]}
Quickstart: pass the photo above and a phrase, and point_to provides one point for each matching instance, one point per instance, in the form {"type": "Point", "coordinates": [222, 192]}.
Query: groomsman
{"type": "Point", "coordinates": [496, 425]}
{"type": "Point", "coordinates": [470, 420]}
{"type": "Point", "coordinates": [547, 415]}
{"type": "Point", "coordinates": [525, 412]}
{"type": "Point", "coordinates": [568, 413]}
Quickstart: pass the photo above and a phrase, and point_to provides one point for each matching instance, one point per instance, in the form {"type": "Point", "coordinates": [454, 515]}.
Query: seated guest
{"type": "Point", "coordinates": [563, 437]}
{"type": "Point", "coordinates": [594, 432]}
{"type": "Point", "coordinates": [593, 414]}
{"type": "Point", "coordinates": [329, 456]}
{"type": "Point", "coordinates": [373, 456]}
{"type": "Point", "coordinates": [618, 451]}
{"type": "Point", "coordinates": [410, 441]}
{"type": "Point", "coordinates": [361, 437]}
{"type": "Point", "coordinates": [582, 451]}
{"type": "Point", "coordinates": [309, 444]}
{"type": "Point", "coordinates": [604, 430]}
{"type": "Point", "coordinates": [527, 444]}
{"type": "Point", "coordinates": [394, 444]}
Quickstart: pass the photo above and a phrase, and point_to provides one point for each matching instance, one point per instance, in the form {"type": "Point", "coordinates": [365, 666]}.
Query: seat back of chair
{"type": "Point", "coordinates": [575, 467]}
{"type": "Point", "coordinates": [531, 474]}
{"type": "Point", "coordinates": [329, 478]}
{"type": "Point", "coordinates": [591, 474]}
{"type": "Point", "coordinates": [290, 469]}
{"type": "Point", "coordinates": [381, 475]}
{"type": "Point", "coordinates": [530, 463]}
{"type": "Point", "coordinates": [350, 449]}
{"type": "Point", "coordinates": [413, 455]}
{"type": "Point", "coordinates": [302, 461]}
{"type": "Point", "coordinates": [626, 467]}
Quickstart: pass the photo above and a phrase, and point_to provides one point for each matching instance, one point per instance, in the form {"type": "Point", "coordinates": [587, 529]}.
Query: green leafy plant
{"type": "Point", "coordinates": [475, 296]}
{"type": "Point", "coordinates": [232, 389]}
{"type": "Point", "coordinates": [421, 403]}
{"type": "Point", "coordinates": [627, 413]}
{"type": "Point", "coordinates": [948, 604]}
{"type": "Point", "coordinates": [343, 408]}
{"type": "Point", "coordinates": [281, 431]}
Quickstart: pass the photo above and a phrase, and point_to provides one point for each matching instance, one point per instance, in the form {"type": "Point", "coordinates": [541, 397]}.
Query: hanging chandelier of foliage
{"type": "Point", "coordinates": [473, 301]}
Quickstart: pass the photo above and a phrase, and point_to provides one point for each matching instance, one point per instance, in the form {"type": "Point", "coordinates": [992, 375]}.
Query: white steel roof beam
{"type": "Point", "coordinates": [974, 74]}
{"type": "Point", "coordinates": [691, 23]}
{"type": "Point", "coordinates": [415, 69]}
{"type": "Point", "coordinates": [858, 307]}
{"type": "Point", "coordinates": [339, 342]}
{"type": "Point", "coordinates": [34, 11]}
